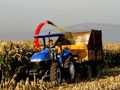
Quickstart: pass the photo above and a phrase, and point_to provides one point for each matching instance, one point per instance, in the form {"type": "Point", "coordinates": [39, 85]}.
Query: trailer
{"type": "Point", "coordinates": [86, 50]}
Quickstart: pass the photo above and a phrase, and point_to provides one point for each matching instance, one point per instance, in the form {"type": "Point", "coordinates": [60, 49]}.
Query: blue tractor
{"type": "Point", "coordinates": [59, 65]}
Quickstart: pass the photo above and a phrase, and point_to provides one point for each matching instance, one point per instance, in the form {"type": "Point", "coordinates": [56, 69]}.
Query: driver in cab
{"type": "Point", "coordinates": [51, 44]}
{"type": "Point", "coordinates": [52, 48]}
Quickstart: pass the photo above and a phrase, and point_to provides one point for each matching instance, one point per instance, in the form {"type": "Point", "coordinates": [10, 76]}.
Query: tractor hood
{"type": "Point", "coordinates": [41, 56]}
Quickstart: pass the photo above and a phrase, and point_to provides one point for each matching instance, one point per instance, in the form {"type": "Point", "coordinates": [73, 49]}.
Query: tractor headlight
{"type": "Point", "coordinates": [36, 60]}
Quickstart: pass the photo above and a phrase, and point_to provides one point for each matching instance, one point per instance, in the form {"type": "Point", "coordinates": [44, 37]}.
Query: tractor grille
{"type": "Point", "coordinates": [37, 68]}
{"type": "Point", "coordinates": [37, 65]}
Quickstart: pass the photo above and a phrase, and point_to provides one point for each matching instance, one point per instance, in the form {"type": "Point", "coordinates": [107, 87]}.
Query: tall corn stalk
{"type": "Point", "coordinates": [13, 55]}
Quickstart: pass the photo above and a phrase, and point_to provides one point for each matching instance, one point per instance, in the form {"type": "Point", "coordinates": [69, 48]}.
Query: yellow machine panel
{"type": "Point", "coordinates": [80, 52]}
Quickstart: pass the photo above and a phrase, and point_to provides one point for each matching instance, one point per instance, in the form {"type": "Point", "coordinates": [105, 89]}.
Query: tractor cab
{"type": "Point", "coordinates": [46, 52]}
{"type": "Point", "coordinates": [48, 36]}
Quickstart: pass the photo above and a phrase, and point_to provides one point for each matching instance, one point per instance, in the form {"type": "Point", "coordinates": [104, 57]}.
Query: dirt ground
{"type": "Point", "coordinates": [109, 80]}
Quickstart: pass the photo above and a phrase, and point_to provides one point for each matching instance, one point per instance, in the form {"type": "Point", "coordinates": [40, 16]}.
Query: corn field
{"type": "Point", "coordinates": [14, 55]}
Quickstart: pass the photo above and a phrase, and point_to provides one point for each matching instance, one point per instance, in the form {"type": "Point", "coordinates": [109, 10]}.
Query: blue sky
{"type": "Point", "coordinates": [24, 15]}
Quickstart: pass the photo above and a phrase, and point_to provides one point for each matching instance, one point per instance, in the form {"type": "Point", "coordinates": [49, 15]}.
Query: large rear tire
{"type": "Point", "coordinates": [67, 61]}
{"type": "Point", "coordinates": [69, 66]}
{"type": "Point", "coordinates": [55, 72]}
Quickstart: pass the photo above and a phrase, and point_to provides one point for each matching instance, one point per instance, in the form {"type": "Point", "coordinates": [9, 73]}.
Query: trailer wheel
{"type": "Point", "coordinates": [55, 72]}
{"type": "Point", "coordinates": [98, 70]}
{"type": "Point", "coordinates": [89, 71]}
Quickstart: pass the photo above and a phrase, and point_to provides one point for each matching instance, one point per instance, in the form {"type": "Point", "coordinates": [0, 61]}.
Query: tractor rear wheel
{"type": "Point", "coordinates": [67, 61]}
{"type": "Point", "coordinates": [55, 72]}
{"type": "Point", "coordinates": [69, 66]}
